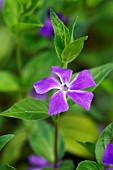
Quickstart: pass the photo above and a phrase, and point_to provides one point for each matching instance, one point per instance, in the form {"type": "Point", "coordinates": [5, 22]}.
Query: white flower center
{"type": "Point", "coordinates": [65, 87]}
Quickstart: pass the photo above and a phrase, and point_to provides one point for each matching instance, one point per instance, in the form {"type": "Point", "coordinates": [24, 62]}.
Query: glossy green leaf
{"type": "Point", "coordinates": [72, 131]}
{"type": "Point", "coordinates": [89, 146]}
{"type": "Point", "coordinates": [36, 69]}
{"type": "Point", "coordinates": [13, 149]}
{"type": "Point", "coordinates": [87, 165]}
{"type": "Point", "coordinates": [108, 86]}
{"type": "Point", "coordinates": [6, 167]}
{"type": "Point", "coordinates": [8, 82]}
{"type": "Point", "coordinates": [67, 165]}
{"type": "Point", "coordinates": [20, 27]}
{"type": "Point", "coordinates": [28, 109]}
{"type": "Point", "coordinates": [99, 74]}
{"type": "Point", "coordinates": [103, 139]}
{"type": "Point", "coordinates": [42, 141]}
{"type": "Point", "coordinates": [12, 10]}
{"type": "Point", "coordinates": [72, 50]}
{"type": "Point", "coordinates": [62, 36]}
{"type": "Point", "coordinates": [4, 139]}
{"type": "Point", "coordinates": [71, 30]}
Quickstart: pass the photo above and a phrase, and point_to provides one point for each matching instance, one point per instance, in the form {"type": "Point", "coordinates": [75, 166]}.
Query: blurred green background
{"type": "Point", "coordinates": [95, 19]}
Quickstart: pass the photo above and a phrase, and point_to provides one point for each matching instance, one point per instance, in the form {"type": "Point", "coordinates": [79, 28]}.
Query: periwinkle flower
{"type": "Point", "coordinates": [47, 30]}
{"type": "Point", "coordinates": [108, 155]}
{"type": "Point", "coordinates": [74, 90]}
{"type": "Point", "coordinates": [38, 163]}
{"type": "Point", "coordinates": [1, 3]}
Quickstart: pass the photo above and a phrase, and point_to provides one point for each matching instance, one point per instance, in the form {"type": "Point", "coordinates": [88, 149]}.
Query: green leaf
{"type": "Point", "coordinates": [100, 73]}
{"type": "Point", "coordinates": [67, 165]}
{"type": "Point", "coordinates": [8, 82]}
{"type": "Point", "coordinates": [6, 167]}
{"type": "Point", "coordinates": [43, 135]}
{"type": "Point", "coordinates": [71, 30]}
{"type": "Point", "coordinates": [72, 131]}
{"type": "Point", "coordinates": [13, 149]}
{"type": "Point", "coordinates": [29, 5]}
{"type": "Point", "coordinates": [4, 139]}
{"type": "Point", "coordinates": [72, 50]}
{"type": "Point", "coordinates": [11, 12]}
{"type": "Point", "coordinates": [62, 36]}
{"type": "Point", "coordinates": [108, 86]}
{"type": "Point", "coordinates": [36, 69]}
{"type": "Point", "coordinates": [20, 27]}
{"type": "Point", "coordinates": [28, 109]}
{"type": "Point", "coordinates": [87, 165]}
{"type": "Point", "coordinates": [89, 146]}
{"type": "Point", "coordinates": [103, 139]}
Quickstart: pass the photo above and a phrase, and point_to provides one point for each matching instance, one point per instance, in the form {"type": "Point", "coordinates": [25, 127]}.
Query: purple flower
{"type": "Point", "coordinates": [108, 155]}
{"type": "Point", "coordinates": [74, 90]}
{"type": "Point", "coordinates": [47, 30]}
{"type": "Point", "coordinates": [1, 3]}
{"type": "Point", "coordinates": [39, 162]}
{"type": "Point", "coordinates": [38, 96]}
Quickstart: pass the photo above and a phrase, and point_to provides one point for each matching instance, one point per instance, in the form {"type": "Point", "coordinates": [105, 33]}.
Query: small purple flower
{"type": "Point", "coordinates": [38, 96]}
{"type": "Point", "coordinates": [74, 90]}
{"type": "Point", "coordinates": [108, 155]}
{"type": "Point", "coordinates": [1, 3]}
{"type": "Point", "coordinates": [38, 163]}
{"type": "Point", "coordinates": [47, 30]}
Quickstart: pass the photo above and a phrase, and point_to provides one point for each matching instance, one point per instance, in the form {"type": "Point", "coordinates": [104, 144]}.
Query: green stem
{"type": "Point", "coordinates": [65, 65]}
{"type": "Point", "coordinates": [56, 143]}
{"type": "Point", "coordinates": [56, 119]}
{"type": "Point", "coordinates": [19, 68]}
{"type": "Point", "coordinates": [18, 56]}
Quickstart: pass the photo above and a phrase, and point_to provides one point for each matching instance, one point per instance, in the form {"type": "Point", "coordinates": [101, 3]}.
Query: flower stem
{"type": "Point", "coordinates": [18, 55]}
{"type": "Point", "coordinates": [56, 143]}
{"type": "Point", "coordinates": [65, 65]}
{"type": "Point", "coordinates": [56, 119]}
{"type": "Point", "coordinates": [22, 92]}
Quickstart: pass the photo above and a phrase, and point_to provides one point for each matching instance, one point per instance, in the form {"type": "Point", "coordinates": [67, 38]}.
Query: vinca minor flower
{"type": "Point", "coordinates": [47, 30]}
{"type": "Point", "coordinates": [74, 90]}
{"type": "Point", "coordinates": [38, 163]}
{"type": "Point", "coordinates": [108, 155]}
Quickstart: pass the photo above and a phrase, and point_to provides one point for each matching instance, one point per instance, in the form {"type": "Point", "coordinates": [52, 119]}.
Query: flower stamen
{"type": "Point", "coordinates": [65, 87]}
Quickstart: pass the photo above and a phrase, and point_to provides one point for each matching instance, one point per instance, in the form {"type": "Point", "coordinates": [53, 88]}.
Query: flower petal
{"type": "Point", "coordinates": [63, 74]}
{"type": "Point", "coordinates": [47, 29]}
{"type": "Point", "coordinates": [82, 98]}
{"type": "Point", "coordinates": [58, 103]}
{"type": "Point", "coordinates": [38, 96]}
{"type": "Point", "coordinates": [37, 161]}
{"type": "Point", "coordinates": [108, 155]}
{"type": "Point", "coordinates": [46, 84]}
{"type": "Point", "coordinates": [83, 80]}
